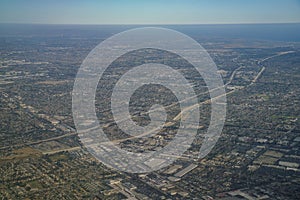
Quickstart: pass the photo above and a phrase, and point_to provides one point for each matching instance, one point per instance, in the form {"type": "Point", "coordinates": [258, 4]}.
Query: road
{"type": "Point", "coordinates": [175, 118]}
{"type": "Point", "coordinates": [264, 68]}
{"type": "Point", "coordinates": [180, 115]}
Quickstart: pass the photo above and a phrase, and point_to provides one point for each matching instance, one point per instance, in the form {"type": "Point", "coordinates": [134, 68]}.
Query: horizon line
{"type": "Point", "coordinates": [133, 24]}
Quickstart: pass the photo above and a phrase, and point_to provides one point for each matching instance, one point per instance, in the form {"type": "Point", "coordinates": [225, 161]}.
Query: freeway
{"type": "Point", "coordinates": [185, 110]}
{"type": "Point", "coordinates": [72, 133]}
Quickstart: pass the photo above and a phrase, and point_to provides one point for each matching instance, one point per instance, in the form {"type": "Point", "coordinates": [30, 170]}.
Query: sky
{"type": "Point", "coordinates": [149, 11]}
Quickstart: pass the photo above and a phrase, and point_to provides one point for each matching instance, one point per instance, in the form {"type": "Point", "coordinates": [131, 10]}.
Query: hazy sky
{"type": "Point", "coordinates": [149, 11]}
